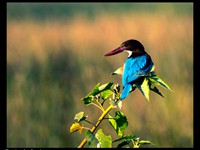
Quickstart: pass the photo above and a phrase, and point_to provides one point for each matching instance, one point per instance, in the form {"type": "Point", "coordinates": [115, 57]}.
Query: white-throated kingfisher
{"type": "Point", "coordinates": [137, 65]}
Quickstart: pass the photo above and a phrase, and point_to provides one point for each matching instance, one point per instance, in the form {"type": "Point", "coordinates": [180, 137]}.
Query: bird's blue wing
{"type": "Point", "coordinates": [125, 91]}
{"type": "Point", "coordinates": [135, 68]}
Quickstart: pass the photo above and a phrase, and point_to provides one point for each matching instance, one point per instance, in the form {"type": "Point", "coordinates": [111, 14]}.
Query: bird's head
{"type": "Point", "coordinates": [133, 47]}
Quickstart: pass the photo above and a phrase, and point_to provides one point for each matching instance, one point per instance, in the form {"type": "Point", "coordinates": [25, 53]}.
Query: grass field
{"type": "Point", "coordinates": [52, 64]}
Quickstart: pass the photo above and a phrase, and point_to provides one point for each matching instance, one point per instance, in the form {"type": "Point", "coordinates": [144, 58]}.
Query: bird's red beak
{"type": "Point", "coordinates": [115, 51]}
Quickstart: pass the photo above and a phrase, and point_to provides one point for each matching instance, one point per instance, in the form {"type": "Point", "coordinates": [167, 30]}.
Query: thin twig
{"type": "Point", "coordinates": [89, 122]}
{"type": "Point", "coordinates": [100, 105]}
{"type": "Point", "coordinates": [97, 106]}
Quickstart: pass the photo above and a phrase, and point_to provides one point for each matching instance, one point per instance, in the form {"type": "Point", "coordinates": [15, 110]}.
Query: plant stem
{"type": "Point", "coordinates": [100, 105]}
{"type": "Point", "coordinates": [89, 122]}
{"type": "Point", "coordinates": [97, 124]}
{"type": "Point", "coordinates": [97, 106]}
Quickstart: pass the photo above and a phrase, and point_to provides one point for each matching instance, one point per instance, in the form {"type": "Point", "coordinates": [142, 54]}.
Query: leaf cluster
{"type": "Point", "coordinates": [97, 97]}
{"type": "Point", "coordinates": [147, 82]}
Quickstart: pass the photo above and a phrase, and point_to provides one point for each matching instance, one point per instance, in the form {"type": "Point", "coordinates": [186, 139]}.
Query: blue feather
{"type": "Point", "coordinates": [125, 91]}
{"type": "Point", "coordinates": [134, 68]}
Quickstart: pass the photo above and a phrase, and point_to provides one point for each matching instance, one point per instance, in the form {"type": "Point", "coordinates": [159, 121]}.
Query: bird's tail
{"type": "Point", "coordinates": [125, 91]}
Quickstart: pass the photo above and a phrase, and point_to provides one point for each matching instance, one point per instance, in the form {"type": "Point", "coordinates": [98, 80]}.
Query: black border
{"type": "Point", "coordinates": [3, 57]}
{"type": "Point", "coordinates": [196, 73]}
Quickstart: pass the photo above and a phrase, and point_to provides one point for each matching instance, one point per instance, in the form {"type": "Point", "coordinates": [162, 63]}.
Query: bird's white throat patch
{"type": "Point", "coordinates": [129, 53]}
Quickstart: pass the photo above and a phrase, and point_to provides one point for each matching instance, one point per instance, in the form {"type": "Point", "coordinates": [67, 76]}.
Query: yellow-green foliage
{"type": "Point", "coordinates": [52, 64]}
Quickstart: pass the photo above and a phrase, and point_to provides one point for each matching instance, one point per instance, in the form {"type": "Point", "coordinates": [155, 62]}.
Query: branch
{"type": "Point", "coordinates": [97, 124]}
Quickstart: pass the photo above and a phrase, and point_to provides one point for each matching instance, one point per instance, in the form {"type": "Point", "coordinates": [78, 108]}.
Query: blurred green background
{"type": "Point", "coordinates": [55, 56]}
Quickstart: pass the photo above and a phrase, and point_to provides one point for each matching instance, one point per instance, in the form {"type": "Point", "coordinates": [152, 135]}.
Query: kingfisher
{"type": "Point", "coordinates": [136, 66]}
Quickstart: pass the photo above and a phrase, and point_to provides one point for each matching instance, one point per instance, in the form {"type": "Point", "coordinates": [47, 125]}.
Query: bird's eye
{"type": "Point", "coordinates": [125, 44]}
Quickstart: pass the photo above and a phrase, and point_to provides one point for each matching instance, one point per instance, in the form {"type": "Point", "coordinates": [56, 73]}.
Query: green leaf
{"type": "Point", "coordinates": [144, 88]}
{"type": "Point", "coordinates": [113, 122]}
{"type": "Point", "coordinates": [119, 122]}
{"type": "Point", "coordinates": [152, 68]}
{"type": "Point", "coordinates": [88, 99]}
{"type": "Point", "coordinates": [155, 89]}
{"type": "Point", "coordinates": [119, 71]}
{"type": "Point", "coordinates": [91, 139]}
{"type": "Point", "coordinates": [105, 86]}
{"type": "Point", "coordinates": [105, 141]}
{"type": "Point", "coordinates": [143, 142]}
{"type": "Point", "coordinates": [105, 94]}
{"type": "Point", "coordinates": [96, 90]}
{"type": "Point", "coordinates": [136, 145]}
{"type": "Point", "coordinates": [157, 80]}
{"type": "Point", "coordinates": [127, 137]}
{"type": "Point", "coordinates": [124, 143]}
{"type": "Point", "coordinates": [137, 142]}
{"type": "Point", "coordinates": [79, 116]}
{"type": "Point", "coordinates": [76, 127]}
